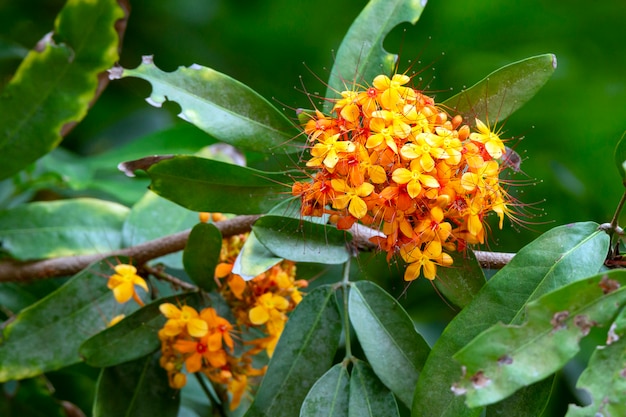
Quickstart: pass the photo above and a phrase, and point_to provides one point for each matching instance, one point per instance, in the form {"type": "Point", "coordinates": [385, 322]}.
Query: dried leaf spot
{"type": "Point", "coordinates": [582, 321]}
{"type": "Point", "coordinates": [608, 285]}
{"type": "Point", "coordinates": [612, 336]}
{"type": "Point", "coordinates": [622, 373]}
{"type": "Point", "coordinates": [558, 320]}
{"type": "Point", "coordinates": [129, 167]}
{"type": "Point", "coordinates": [479, 380]}
{"type": "Point", "coordinates": [505, 360]}
{"type": "Point", "coordinates": [457, 389]}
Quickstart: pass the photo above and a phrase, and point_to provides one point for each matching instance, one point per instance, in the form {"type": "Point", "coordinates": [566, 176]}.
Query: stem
{"type": "Point", "coordinates": [162, 275]}
{"type": "Point", "coordinates": [216, 405]}
{"type": "Point", "coordinates": [618, 210]}
{"type": "Point", "coordinates": [345, 284]}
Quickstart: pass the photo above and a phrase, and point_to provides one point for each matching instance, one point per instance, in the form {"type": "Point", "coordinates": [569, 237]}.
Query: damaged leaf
{"type": "Point", "coordinates": [505, 358]}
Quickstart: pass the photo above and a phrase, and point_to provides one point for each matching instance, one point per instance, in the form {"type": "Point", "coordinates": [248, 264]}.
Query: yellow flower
{"type": "Point", "coordinates": [414, 179]}
{"type": "Point", "coordinates": [426, 259]}
{"type": "Point", "coordinates": [493, 143]}
{"type": "Point", "coordinates": [181, 320]}
{"type": "Point", "coordinates": [426, 147]}
{"type": "Point", "coordinates": [393, 92]}
{"type": "Point", "coordinates": [123, 283]}
{"type": "Point", "coordinates": [327, 151]}
{"type": "Point", "coordinates": [351, 197]}
{"type": "Point", "coordinates": [265, 306]}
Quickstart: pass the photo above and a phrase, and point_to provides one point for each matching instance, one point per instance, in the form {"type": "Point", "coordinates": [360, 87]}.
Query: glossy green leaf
{"type": "Point", "coordinates": [558, 257]}
{"type": "Point", "coordinates": [304, 353]}
{"type": "Point", "coordinates": [330, 394]}
{"type": "Point", "coordinates": [302, 241]}
{"type": "Point", "coordinates": [221, 106]}
{"type": "Point", "coordinates": [254, 259]}
{"type": "Point", "coordinates": [62, 228]}
{"type": "Point", "coordinates": [501, 360]}
{"type": "Point", "coordinates": [202, 253]}
{"type": "Point", "coordinates": [460, 283]}
{"type": "Point", "coordinates": [361, 56]}
{"type": "Point", "coordinates": [137, 388]}
{"type": "Point", "coordinates": [82, 307]}
{"type": "Point", "coordinates": [369, 397]}
{"type": "Point", "coordinates": [388, 337]}
{"type": "Point", "coordinates": [202, 184]}
{"type": "Point", "coordinates": [604, 378]}
{"type": "Point", "coordinates": [153, 217]}
{"type": "Point", "coordinates": [53, 88]}
{"type": "Point", "coordinates": [620, 157]}
{"type": "Point", "coordinates": [133, 337]}
{"type": "Point", "coordinates": [505, 90]}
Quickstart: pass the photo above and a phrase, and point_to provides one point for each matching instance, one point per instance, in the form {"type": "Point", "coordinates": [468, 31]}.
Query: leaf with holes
{"type": "Point", "coordinates": [221, 106]}
{"type": "Point", "coordinates": [361, 56]}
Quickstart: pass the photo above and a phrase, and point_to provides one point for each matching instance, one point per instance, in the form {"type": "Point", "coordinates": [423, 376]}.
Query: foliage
{"type": "Point", "coordinates": [271, 308]}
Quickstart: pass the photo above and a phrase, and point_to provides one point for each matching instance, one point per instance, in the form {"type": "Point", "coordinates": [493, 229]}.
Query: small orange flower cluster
{"type": "Point", "coordinates": [264, 301]}
{"type": "Point", "coordinates": [391, 159]}
{"type": "Point", "coordinates": [203, 341]}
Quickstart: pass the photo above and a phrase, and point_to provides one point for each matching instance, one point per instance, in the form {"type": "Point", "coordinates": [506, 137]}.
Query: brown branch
{"type": "Point", "coordinates": [16, 271]}
{"type": "Point", "coordinates": [20, 271]}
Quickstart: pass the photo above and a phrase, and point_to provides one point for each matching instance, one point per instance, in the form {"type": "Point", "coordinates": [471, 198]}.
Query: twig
{"type": "Point", "coordinates": [25, 271]}
{"type": "Point", "coordinates": [16, 271]}
{"type": "Point", "coordinates": [162, 275]}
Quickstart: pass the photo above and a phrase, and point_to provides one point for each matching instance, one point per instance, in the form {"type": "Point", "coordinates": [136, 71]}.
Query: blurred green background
{"type": "Point", "coordinates": [570, 128]}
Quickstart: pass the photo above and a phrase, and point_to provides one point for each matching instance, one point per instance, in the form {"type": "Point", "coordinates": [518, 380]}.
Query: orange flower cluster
{"type": "Point", "coordinates": [264, 301]}
{"type": "Point", "coordinates": [203, 341]}
{"type": "Point", "coordinates": [389, 158]}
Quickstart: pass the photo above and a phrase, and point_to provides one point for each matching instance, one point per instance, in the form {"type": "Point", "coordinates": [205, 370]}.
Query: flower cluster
{"type": "Point", "coordinates": [204, 341]}
{"type": "Point", "coordinates": [390, 158]}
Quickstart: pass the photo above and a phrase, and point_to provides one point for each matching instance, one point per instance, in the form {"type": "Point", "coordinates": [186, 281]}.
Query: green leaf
{"type": "Point", "coordinates": [254, 259]}
{"type": "Point", "coordinates": [604, 377]}
{"type": "Point", "coordinates": [53, 88]}
{"type": "Point", "coordinates": [153, 217]}
{"type": "Point", "coordinates": [620, 157]}
{"type": "Point", "coordinates": [46, 336]}
{"type": "Point", "coordinates": [221, 106]}
{"type": "Point", "coordinates": [505, 90]}
{"type": "Point", "coordinates": [529, 401]}
{"type": "Point", "coordinates": [388, 337]}
{"type": "Point", "coordinates": [138, 388]}
{"type": "Point", "coordinates": [361, 56]}
{"type": "Point", "coordinates": [302, 241]}
{"type": "Point", "coordinates": [368, 396]}
{"type": "Point", "coordinates": [560, 256]}
{"type": "Point", "coordinates": [133, 337]}
{"type": "Point", "coordinates": [202, 253]}
{"type": "Point", "coordinates": [330, 394]}
{"type": "Point", "coordinates": [202, 184]}
{"type": "Point", "coordinates": [461, 282]}
{"type": "Point", "coordinates": [304, 353]}
{"type": "Point", "coordinates": [505, 358]}
{"type": "Point", "coordinates": [62, 228]}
